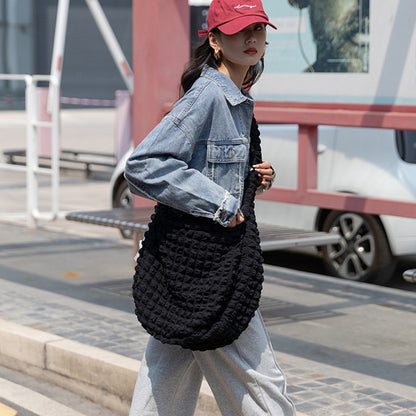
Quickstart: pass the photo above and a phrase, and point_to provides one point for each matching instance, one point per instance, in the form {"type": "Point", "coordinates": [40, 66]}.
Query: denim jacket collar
{"type": "Point", "coordinates": [233, 95]}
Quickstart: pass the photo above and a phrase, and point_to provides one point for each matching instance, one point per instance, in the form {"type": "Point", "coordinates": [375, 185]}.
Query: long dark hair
{"type": "Point", "coordinates": [204, 55]}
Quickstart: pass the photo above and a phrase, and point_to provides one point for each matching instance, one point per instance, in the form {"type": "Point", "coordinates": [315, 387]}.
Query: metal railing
{"type": "Point", "coordinates": [308, 117]}
{"type": "Point", "coordinates": [32, 168]}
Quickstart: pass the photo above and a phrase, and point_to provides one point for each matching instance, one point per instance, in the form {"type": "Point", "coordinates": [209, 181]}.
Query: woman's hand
{"type": "Point", "coordinates": [237, 219]}
{"type": "Point", "coordinates": [266, 174]}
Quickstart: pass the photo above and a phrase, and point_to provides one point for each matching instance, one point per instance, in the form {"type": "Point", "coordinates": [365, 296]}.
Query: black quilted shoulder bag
{"type": "Point", "coordinates": [198, 284]}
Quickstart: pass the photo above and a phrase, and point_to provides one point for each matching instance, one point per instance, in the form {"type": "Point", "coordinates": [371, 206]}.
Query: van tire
{"type": "Point", "coordinates": [363, 254]}
{"type": "Point", "coordinates": [123, 199]}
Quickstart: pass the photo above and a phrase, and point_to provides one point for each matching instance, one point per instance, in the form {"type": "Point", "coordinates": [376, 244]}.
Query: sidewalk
{"type": "Point", "coordinates": [307, 316]}
{"type": "Point", "coordinates": [66, 313]}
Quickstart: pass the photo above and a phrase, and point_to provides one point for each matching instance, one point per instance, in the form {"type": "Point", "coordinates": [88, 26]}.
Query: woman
{"type": "Point", "coordinates": [196, 161]}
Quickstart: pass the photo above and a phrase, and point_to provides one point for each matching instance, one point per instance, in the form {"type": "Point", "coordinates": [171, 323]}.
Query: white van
{"type": "Point", "coordinates": [370, 162]}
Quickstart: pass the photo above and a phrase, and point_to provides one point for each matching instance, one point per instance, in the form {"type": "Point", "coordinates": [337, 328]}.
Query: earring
{"type": "Point", "coordinates": [217, 54]}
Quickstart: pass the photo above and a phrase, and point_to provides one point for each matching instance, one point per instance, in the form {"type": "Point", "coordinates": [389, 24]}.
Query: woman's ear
{"type": "Point", "coordinates": [213, 41]}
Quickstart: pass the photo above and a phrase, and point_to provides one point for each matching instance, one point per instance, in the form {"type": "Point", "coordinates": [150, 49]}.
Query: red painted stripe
{"type": "Point", "coordinates": [59, 63]}
{"type": "Point", "coordinates": [126, 68]}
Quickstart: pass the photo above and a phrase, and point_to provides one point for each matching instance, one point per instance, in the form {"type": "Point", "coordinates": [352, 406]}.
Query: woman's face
{"type": "Point", "coordinates": [245, 48]}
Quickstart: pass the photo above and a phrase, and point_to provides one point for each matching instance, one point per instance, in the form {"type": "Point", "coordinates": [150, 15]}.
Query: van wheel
{"type": "Point", "coordinates": [123, 199]}
{"type": "Point", "coordinates": [363, 254]}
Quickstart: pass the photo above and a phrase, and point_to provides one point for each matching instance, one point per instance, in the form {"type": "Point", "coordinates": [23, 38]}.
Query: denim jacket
{"type": "Point", "coordinates": [196, 158]}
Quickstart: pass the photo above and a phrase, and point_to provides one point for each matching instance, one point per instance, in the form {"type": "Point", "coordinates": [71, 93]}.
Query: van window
{"type": "Point", "coordinates": [406, 145]}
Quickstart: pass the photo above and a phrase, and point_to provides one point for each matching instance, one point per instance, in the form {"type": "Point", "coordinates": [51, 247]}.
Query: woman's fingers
{"type": "Point", "coordinates": [265, 171]}
{"type": "Point", "coordinates": [237, 219]}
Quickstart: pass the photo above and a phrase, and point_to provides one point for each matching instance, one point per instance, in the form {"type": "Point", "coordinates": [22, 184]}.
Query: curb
{"type": "Point", "coordinates": [98, 375]}
{"type": "Point", "coordinates": [101, 376]}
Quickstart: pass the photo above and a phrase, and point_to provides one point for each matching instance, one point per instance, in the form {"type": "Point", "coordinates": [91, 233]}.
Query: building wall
{"type": "Point", "coordinates": [16, 30]}
{"type": "Point", "coordinates": [89, 70]}
{"type": "Point", "coordinates": [27, 30]}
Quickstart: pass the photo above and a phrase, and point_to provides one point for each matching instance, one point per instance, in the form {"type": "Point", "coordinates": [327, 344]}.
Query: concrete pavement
{"type": "Point", "coordinates": [66, 314]}
{"type": "Point", "coordinates": [346, 348]}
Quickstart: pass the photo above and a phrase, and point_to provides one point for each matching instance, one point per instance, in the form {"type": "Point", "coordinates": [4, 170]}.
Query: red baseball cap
{"type": "Point", "coordinates": [231, 16]}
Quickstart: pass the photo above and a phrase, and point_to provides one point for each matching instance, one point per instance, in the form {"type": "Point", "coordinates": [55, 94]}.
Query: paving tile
{"type": "Point", "coordinates": [367, 402]}
{"type": "Point", "coordinates": [310, 385]}
{"type": "Point", "coordinates": [345, 408]}
{"type": "Point", "coordinates": [313, 393]}
{"type": "Point", "coordinates": [324, 402]}
{"type": "Point", "coordinates": [300, 371]}
{"type": "Point", "coordinates": [349, 386]}
{"type": "Point", "coordinates": [294, 380]}
{"type": "Point", "coordinates": [368, 391]}
{"type": "Point", "coordinates": [305, 395]}
{"type": "Point", "coordinates": [292, 388]}
{"type": "Point", "coordinates": [331, 380]}
{"type": "Point", "coordinates": [405, 403]}
{"type": "Point", "coordinates": [321, 412]}
{"type": "Point", "coordinates": [313, 376]}
{"type": "Point", "coordinates": [386, 409]}
{"type": "Point", "coordinates": [328, 390]}
{"type": "Point", "coordinates": [307, 408]}
{"type": "Point", "coordinates": [365, 412]}
{"type": "Point", "coordinates": [387, 397]}
{"type": "Point", "coordinates": [346, 396]}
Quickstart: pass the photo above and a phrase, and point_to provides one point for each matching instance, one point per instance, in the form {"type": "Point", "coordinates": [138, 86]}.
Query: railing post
{"type": "Point", "coordinates": [55, 163]}
{"type": "Point", "coordinates": [31, 154]}
{"type": "Point", "coordinates": [307, 158]}
{"type": "Point", "coordinates": [58, 47]}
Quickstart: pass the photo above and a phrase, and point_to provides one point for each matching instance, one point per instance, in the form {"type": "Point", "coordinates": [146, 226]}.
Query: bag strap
{"type": "Point", "coordinates": [252, 181]}
{"type": "Point", "coordinates": [255, 144]}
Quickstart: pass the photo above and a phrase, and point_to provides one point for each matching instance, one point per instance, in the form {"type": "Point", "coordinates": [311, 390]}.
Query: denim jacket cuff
{"type": "Point", "coordinates": [227, 210]}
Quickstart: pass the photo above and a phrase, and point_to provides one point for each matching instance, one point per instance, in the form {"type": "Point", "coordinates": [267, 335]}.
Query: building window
{"type": "Point", "coordinates": [16, 55]}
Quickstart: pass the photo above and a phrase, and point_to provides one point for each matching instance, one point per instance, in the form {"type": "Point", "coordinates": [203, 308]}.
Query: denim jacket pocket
{"type": "Point", "coordinates": [226, 160]}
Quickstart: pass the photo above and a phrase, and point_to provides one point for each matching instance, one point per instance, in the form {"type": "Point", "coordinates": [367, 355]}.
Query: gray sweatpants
{"type": "Point", "coordinates": [244, 377]}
